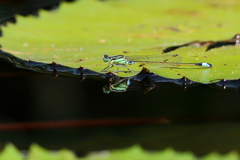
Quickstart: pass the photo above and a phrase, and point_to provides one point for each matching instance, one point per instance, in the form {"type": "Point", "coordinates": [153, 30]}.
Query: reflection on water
{"type": "Point", "coordinates": [145, 79]}
{"type": "Point", "coordinates": [117, 84]}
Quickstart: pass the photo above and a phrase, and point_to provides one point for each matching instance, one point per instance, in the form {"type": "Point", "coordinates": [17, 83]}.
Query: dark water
{"type": "Point", "coordinates": [63, 112]}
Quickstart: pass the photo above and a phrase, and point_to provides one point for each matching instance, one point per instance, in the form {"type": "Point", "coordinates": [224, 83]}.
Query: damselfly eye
{"type": "Point", "coordinates": [105, 59]}
{"type": "Point", "coordinates": [131, 62]}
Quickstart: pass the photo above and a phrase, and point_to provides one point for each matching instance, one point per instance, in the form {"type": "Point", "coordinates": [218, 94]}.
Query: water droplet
{"type": "Point", "coordinates": [223, 84]}
{"type": "Point", "coordinates": [55, 73]}
{"type": "Point", "coordinates": [224, 87]}
{"type": "Point", "coordinates": [82, 76]}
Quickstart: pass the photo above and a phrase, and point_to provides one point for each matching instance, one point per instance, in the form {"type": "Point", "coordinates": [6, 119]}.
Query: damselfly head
{"type": "Point", "coordinates": [106, 90]}
{"type": "Point", "coordinates": [106, 58]}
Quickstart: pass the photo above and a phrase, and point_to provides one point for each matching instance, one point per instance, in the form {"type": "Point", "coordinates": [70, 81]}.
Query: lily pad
{"type": "Point", "coordinates": [79, 34]}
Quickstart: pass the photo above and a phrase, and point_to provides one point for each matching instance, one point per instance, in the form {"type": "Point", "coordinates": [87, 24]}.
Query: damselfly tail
{"type": "Point", "coordinates": [156, 58]}
{"type": "Point", "coordinates": [164, 59]}
{"type": "Point", "coordinates": [207, 65]}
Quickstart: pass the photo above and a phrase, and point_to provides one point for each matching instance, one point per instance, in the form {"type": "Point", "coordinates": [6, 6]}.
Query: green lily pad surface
{"type": "Point", "coordinates": [79, 34]}
{"type": "Point", "coordinates": [135, 152]}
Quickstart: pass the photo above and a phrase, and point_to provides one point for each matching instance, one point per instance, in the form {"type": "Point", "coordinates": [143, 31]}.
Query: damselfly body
{"type": "Point", "coordinates": [161, 59]}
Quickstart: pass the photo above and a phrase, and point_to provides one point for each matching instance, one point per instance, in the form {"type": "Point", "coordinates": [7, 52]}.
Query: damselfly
{"type": "Point", "coordinates": [161, 59]}
{"type": "Point", "coordinates": [117, 85]}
